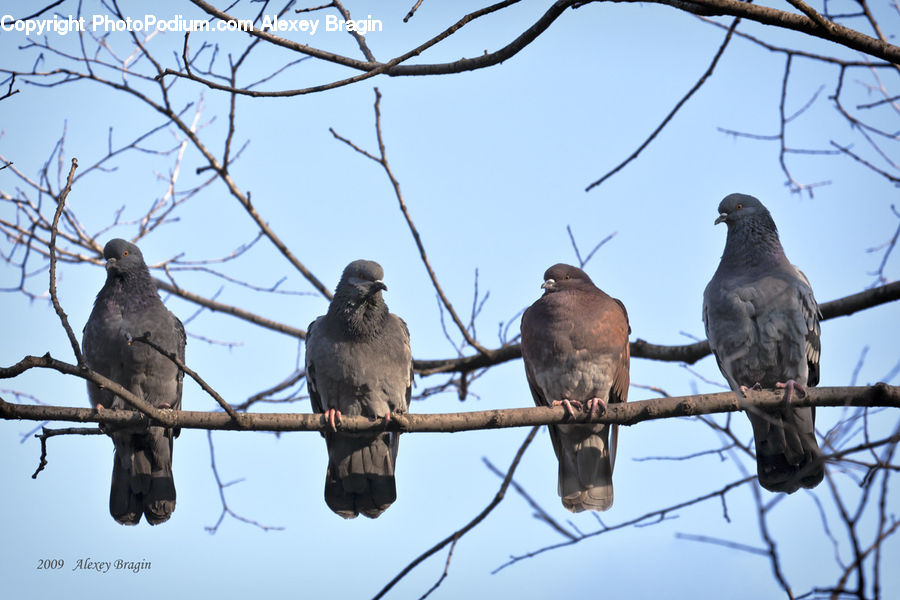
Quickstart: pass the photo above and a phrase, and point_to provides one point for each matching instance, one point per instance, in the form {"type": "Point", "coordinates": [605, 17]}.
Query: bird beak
{"type": "Point", "coordinates": [549, 284]}
{"type": "Point", "coordinates": [721, 218]}
{"type": "Point", "coordinates": [377, 286]}
{"type": "Point", "coordinates": [110, 263]}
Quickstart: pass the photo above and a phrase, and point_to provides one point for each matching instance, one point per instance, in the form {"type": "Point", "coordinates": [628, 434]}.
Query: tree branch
{"type": "Point", "coordinates": [383, 161]}
{"type": "Point", "coordinates": [64, 319]}
{"type": "Point", "coordinates": [837, 33]}
{"type": "Point", "coordinates": [629, 413]}
{"type": "Point", "coordinates": [454, 537]}
{"type": "Point", "coordinates": [665, 121]}
{"type": "Point", "coordinates": [689, 353]}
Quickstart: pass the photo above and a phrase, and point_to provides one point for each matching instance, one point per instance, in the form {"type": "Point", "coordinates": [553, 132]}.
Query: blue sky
{"type": "Point", "coordinates": [493, 166]}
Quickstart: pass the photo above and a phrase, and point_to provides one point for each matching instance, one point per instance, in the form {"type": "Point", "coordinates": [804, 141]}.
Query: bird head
{"type": "Point", "coordinates": [735, 207]}
{"type": "Point", "coordinates": [362, 279]}
{"type": "Point", "coordinates": [562, 276]}
{"type": "Point", "coordinates": [122, 256]}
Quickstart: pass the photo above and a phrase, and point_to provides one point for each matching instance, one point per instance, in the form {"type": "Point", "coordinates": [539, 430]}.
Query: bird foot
{"type": "Point", "coordinates": [593, 404]}
{"type": "Point", "coordinates": [332, 417]}
{"type": "Point", "coordinates": [100, 408]}
{"type": "Point", "coordinates": [568, 404]}
{"type": "Point", "coordinates": [789, 386]}
{"type": "Point", "coordinates": [744, 389]}
{"type": "Point", "coordinates": [387, 419]}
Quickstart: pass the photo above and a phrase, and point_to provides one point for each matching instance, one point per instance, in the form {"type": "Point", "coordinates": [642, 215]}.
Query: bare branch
{"type": "Point", "coordinates": [231, 310]}
{"type": "Point", "coordinates": [684, 99]}
{"type": "Point", "coordinates": [412, 11]}
{"type": "Point", "coordinates": [49, 433]}
{"type": "Point", "coordinates": [383, 161]}
{"type": "Point", "coordinates": [64, 319]}
{"type": "Point", "coordinates": [652, 517]}
{"type": "Point", "coordinates": [226, 510]}
{"type": "Point", "coordinates": [628, 413]}
{"type": "Point", "coordinates": [145, 339]}
{"type": "Point", "coordinates": [454, 537]}
{"type": "Point", "coordinates": [689, 353]}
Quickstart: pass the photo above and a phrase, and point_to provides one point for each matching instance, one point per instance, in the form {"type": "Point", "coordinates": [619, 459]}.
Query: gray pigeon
{"type": "Point", "coordinates": [358, 363]}
{"type": "Point", "coordinates": [576, 353]}
{"type": "Point", "coordinates": [128, 306]}
{"type": "Point", "coordinates": [763, 327]}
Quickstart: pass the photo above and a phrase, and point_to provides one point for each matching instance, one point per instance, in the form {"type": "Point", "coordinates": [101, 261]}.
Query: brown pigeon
{"type": "Point", "coordinates": [762, 322]}
{"type": "Point", "coordinates": [358, 363]}
{"type": "Point", "coordinates": [575, 347]}
{"type": "Point", "coordinates": [128, 306]}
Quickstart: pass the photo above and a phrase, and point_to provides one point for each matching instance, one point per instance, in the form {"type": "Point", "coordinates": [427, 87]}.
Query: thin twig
{"type": "Point", "coordinates": [64, 319]}
{"type": "Point", "coordinates": [672, 113]}
{"type": "Point", "coordinates": [226, 510]}
{"type": "Point", "coordinates": [49, 433]}
{"type": "Point", "coordinates": [383, 161]}
{"type": "Point", "coordinates": [145, 339]}
{"type": "Point", "coordinates": [456, 535]}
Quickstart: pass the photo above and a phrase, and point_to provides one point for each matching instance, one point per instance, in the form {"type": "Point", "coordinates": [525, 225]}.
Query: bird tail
{"type": "Point", "coordinates": [787, 454]}
{"type": "Point", "coordinates": [142, 481]}
{"type": "Point", "coordinates": [360, 477]}
{"type": "Point", "coordinates": [585, 467]}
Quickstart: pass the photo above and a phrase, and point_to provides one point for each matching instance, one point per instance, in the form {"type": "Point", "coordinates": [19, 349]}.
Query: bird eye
{"type": "Point", "coordinates": [125, 253]}
{"type": "Point", "coordinates": [739, 206]}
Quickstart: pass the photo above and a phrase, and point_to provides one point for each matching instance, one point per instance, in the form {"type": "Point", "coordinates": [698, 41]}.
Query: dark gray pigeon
{"type": "Point", "coordinates": [763, 327]}
{"type": "Point", "coordinates": [358, 363]}
{"type": "Point", "coordinates": [576, 353]}
{"type": "Point", "coordinates": [128, 306]}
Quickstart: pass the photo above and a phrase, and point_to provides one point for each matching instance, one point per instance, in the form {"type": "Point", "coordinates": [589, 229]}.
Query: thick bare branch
{"type": "Point", "coordinates": [48, 362]}
{"type": "Point", "coordinates": [629, 413]}
{"type": "Point", "coordinates": [837, 33]}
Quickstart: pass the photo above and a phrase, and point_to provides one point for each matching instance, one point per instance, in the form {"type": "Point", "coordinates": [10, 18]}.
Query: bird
{"type": "Point", "coordinates": [762, 322]}
{"type": "Point", "coordinates": [576, 354]}
{"type": "Point", "coordinates": [127, 307]}
{"type": "Point", "coordinates": [359, 363]}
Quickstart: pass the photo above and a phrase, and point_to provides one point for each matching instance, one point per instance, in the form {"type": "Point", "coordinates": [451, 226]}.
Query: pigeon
{"type": "Point", "coordinates": [359, 363]}
{"type": "Point", "coordinates": [128, 306]}
{"type": "Point", "coordinates": [576, 353]}
{"type": "Point", "coordinates": [762, 322]}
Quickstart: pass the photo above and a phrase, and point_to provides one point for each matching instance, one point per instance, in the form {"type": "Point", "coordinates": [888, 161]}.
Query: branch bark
{"type": "Point", "coordinates": [629, 413]}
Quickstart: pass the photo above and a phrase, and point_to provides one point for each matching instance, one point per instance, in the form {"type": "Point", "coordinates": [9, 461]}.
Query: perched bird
{"type": "Point", "coordinates": [358, 363]}
{"type": "Point", "coordinates": [127, 307]}
{"type": "Point", "coordinates": [576, 352]}
{"type": "Point", "coordinates": [762, 322]}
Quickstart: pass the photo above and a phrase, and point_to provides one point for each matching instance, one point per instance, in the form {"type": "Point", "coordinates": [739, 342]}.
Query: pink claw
{"type": "Point", "coordinates": [593, 403]}
{"type": "Point", "coordinates": [789, 386]}
{"type": "Point", "coordinates": [333, 417]}
{"type": "Point", "coordinates": [744, 389]}
{"type": "Point", "coordinates": [568, 404]}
